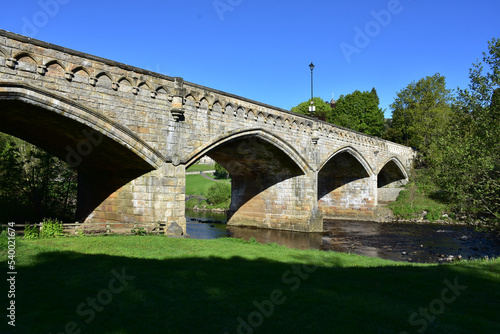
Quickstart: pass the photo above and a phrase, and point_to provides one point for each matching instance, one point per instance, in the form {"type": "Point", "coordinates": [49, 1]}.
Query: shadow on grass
{"type": "Point", "coordinates": [68, 292]}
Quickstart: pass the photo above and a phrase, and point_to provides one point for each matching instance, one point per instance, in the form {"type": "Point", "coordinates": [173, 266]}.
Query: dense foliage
{"type": "Point", "coordinates": [218, 193]}
{"type": "Point", "coordinates": [323, 109]}
{"type": "Point", "coordinates": [466, 159]}
{"type": "Point", "coordinates": [220, 172]}
{"type": "Point", "coordinates": [34, 184]}
{"type": "Point", "coordinates": [359, 111]}
{"type": "Point", "coordinates": [420, 113]}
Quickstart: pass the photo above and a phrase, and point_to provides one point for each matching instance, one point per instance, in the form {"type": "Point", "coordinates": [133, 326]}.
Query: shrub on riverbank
{"type": "Point", "coordinates": [421, 200]}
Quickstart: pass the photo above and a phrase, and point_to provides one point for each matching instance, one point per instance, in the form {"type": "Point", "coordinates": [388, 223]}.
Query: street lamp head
{"type": "Point", "coordinates": [311, 66]}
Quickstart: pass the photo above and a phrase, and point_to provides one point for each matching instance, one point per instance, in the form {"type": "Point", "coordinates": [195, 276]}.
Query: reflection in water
{"type": "Point", "coordinates": [393, 241]}
{"type": "Point", "coordinates": [298, 240]}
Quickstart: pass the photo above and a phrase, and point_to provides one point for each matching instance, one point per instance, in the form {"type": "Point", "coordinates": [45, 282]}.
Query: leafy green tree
{"type": "Point", "coordinates": [218, 193]}
{"type": "Point", "coordinates": [34, 184]}
{"type": "Point", "coordinates": [420, 112]}
{"type": "Point", "coordinates": [323, 109]}
{"type": "Point", "coordinates": [359, 111]}
{"type": "Point", "coordinates": [220, 172]}
{"type": "Point", "coordinates": [466, 160]}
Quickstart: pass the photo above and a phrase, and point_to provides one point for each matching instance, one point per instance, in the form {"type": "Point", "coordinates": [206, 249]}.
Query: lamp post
{"type": "Point", "coordinates": [312, 108]}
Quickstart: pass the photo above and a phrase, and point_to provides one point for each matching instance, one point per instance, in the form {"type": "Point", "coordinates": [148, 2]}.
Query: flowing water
{"type": "Point", "coordinates": [394, 241]}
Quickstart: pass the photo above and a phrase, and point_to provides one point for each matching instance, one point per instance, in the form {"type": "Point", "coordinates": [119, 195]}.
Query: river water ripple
{"type": "Point", "coordinates": [407, 242]}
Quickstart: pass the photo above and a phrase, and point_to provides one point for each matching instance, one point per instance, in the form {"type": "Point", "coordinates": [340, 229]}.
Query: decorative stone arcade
{"type": "Point", "coordinates": [132, 133]}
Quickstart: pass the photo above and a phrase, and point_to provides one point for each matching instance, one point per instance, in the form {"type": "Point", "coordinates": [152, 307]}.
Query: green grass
{"type": "Point", "coordinates": [200, 167]}
{"type": "Point", "coordinates": [411, 204]}
{"type": "Point", "coordinates": [211, 286]}
{"type": "Point", "coordinates": [420, 195]}
{"type": "Point", "coordinates": [198, 185]}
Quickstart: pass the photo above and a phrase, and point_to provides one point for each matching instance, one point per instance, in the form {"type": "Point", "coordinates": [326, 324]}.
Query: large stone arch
{"type": "Point", "coordinates": [390, 179]}
{"type": "Point", "coordinates": [346, 186]}
{"type": "Point", "coordinates": [272, 185]}
{"type": "Point", "coordinates": [281, 144]}
{"type": "Point", "coordinates": [106, 154]}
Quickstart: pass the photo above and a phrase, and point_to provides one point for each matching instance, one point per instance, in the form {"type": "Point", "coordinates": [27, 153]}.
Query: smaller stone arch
{"type": "Point", "coordinates": [228, 109]}
{"type": "Point", "coordinates": [261, 117]}
{"type": "Point", "coordinates": [81, 74]}
{"type": "Point", "coordinates": [26, 62]}
{"type": "Point", "coordinates": [279, 122]}
{"type": "Point", "coordinates": [144, 85]}
{"type": "Point", "coordinates": [270, 119]}
{"type": "Point", "coordinates": [27, 58]}
{"type": "Point", "coordinates": [286, 124]}
{"type": "Point", "coordinates": [55, 68]}
{"type": "Point", "coordinates": [240, 112]}
{"type": "Point", "coordinates": [190, 101]}
{"type": "Point", "coordinates": [204, 103]}
{"type": "Point", "coordinates": [161, 92]}
{"type": "Point", "coordinates": [251, 115]}
{"type": "Point", "coordinates": [124, 84]}
{"type": "Point", "coordinates": [104, 80]}
{"type": "Point", "coordinates": [142, 88]}
{"type": "Point", "coordinates": [217, 108]}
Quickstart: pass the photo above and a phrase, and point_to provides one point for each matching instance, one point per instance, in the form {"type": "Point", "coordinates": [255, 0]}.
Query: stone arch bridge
{"type": "Point", "coordinates": [132, 133]}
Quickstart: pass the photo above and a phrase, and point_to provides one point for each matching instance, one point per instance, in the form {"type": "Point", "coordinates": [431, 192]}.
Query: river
{"type": "Point", "coordinates": [410, 242]}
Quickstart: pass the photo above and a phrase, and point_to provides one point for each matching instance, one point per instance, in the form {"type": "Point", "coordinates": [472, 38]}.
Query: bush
{"type": "Point", "coordinates": [31, 232]}
{"type": "Point", "coordinates": [218, 193]}
{"type": "Point", "coordinates": [139, 231]}
{"type": "Point", "coordinates": [192, 202]}
{"type": "Point", "coordinates": [419, 200]}
{"type": "Point", "coordinates": [220, 172]}
{"type": "Point", "coordinates": [51, 228]}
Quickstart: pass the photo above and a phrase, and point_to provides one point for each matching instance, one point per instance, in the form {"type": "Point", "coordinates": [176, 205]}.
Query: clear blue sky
{"type": "Point", "coordinates": [261, 49]}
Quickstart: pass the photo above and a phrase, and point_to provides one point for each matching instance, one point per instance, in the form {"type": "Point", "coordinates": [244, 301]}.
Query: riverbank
{"type": "Point", "coordinates": [155, 284]}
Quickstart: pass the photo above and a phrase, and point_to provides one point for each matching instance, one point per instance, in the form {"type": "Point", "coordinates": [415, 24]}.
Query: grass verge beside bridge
{"type": "Point", "coordinates": [153, 284]}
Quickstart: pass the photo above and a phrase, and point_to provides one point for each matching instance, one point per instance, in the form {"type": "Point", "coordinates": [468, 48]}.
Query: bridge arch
{"type": "Point", "coordinates": [272, 185]}
{"type": "Point", "coordinates": [345, 185]}
{"type": "Point", "coordinates": [391, 174]}
{"type": "Point", "coordinates": [265, 135]}
{"type": "Point", "coordinates": [354, 153]}
{"type": "Point", "coordinates": [107, 155]}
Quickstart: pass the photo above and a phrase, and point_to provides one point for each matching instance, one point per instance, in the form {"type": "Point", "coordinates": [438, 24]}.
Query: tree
{"type": "Point", "coordinates": [466, 160]}
{"type": "Point", "coordinates": [220, 172]}
{"type": "Point", "coordinates": [33, 183]}
{"type": "Point", "coordinates": [420, 112]}
{"type": "Point", "coordinates": [323, 109]}
{"type": "Point", "coordinates": [359, 111]}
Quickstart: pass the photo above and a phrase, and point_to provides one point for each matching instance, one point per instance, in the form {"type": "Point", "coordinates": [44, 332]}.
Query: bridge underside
{"type": "Point", "coordinates": [269, 188]}
{"type": "Point", "coordinates": [345, 189]}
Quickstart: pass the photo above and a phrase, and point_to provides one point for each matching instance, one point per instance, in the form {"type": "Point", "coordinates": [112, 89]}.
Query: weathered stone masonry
{"type": "Point", "coordinates": [132, 133]}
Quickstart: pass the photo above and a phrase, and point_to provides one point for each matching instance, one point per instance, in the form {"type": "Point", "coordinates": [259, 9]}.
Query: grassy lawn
{"type": "Point", "coordinates": [153, 284]}
{"type": "Point", "coordinates": [200, 167]}
{"type": "Point", "coordinates": [198, 185]}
